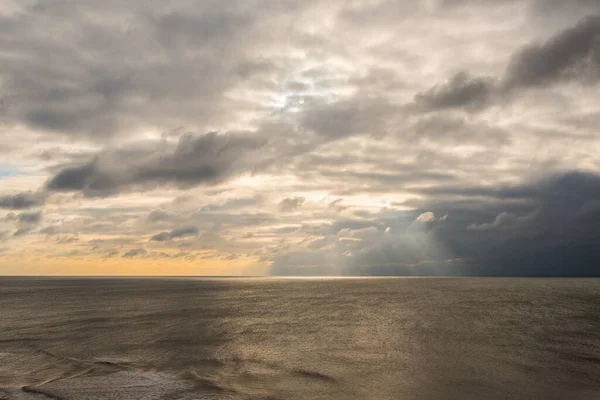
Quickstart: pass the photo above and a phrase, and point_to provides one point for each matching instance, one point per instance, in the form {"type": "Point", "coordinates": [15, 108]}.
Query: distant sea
{"type": "Point", "coordinates": [285, 339]}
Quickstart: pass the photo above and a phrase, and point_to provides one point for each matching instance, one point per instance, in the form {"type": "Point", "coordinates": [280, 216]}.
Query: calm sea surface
{"type": "Point", "coordinates": [416, 338]}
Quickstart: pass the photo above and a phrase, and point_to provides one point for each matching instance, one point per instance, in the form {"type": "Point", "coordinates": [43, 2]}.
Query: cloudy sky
{"type": "Point", "coordinates": [313, 137]}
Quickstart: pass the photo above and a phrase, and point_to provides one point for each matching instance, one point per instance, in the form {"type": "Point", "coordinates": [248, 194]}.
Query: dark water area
{"type": "Point", "coordinates": [415, 338]}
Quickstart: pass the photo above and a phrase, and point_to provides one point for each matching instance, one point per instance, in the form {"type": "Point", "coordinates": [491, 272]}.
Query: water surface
{"type": "Point", "coordinates": [415, 338]}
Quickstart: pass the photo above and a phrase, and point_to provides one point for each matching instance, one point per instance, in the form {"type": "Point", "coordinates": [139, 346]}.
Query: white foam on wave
{"type": "Point", "coordinates": [126, 385]}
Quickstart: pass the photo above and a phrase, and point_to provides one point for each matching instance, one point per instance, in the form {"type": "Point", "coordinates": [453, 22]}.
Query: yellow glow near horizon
{"type": "Point", "coordinates": [118, 266]}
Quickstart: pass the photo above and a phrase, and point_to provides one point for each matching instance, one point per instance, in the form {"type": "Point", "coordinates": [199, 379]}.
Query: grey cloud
{"type": "Point", "coordinates": [290, 204]}
{"type": "Point", "coordinates": [159, 215]}
{"type": "Point", "coordinates": [284, 230]}
{"type": "Point", "coordinates": [230, 205]}
{"type": "Point", "coordinates": [573, 53]}
{"type": "Point", "coordinates": [130, 64]}
{"type": "Point", "coordinates": [461, 90]}
{"type": "Point", "coordinates": [21, 201]}
{"type": "Point", "coordinates": [66, 239]}
{"type": "Point", "coordinates": [182, 232]}
{"type": "Point", "coordinates": [181, 254]}
{"type": "Point", "coordinates": [111, 242]}
{"type": "Point", "coordinates": [196, 160]}
{"type": "Point", "coordinates": [29, 218]}
{"type": "Point", "coordinates": [359, 115]}
{"type": "Point", "coordinates": [336, 206]}
{"type": "Point", "coordinates": [134, 253]}
{"type": "Point", "coordinates": [377, 168]}
{"type": "Point", "coordinates": [175, 233]}
{"type": "Point", "coordinates": [553, 10]}
{"type": "Point", "coordinates": [161, 237]}
{"type": "Point", "coordinates": [110, 253]}
{"type": "Point", "coordinates": [49, 230]}
{"type": "Point", "coordinates": [387, 180]}
{"type": "Point", "coordinates": [22, 231]}
{"type": "Point", "coordinates": [583, 186]}
{"type": "Point", "coordinates": [474, 3]}
{"type": "Point", "coordinates": [565, 55]}
{"type": "Point", "coordinates": [444, 129]}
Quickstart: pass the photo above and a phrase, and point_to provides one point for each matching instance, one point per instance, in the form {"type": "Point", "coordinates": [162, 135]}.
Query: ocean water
{"type": "Point", "coordinates": [371, 338]}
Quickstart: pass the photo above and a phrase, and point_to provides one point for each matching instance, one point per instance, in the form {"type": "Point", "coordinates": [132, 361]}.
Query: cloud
{"type": "Point", "coordinates": [573, 53]}
{"type": "Point", "coordinates": [22, 231]}
{"type": "Point", "coordinates": [337, 206]}
{"type": "Point", "coordinates": [66, 239]}
{"type": "Point", "coordinates": [25, 222]}
{"type": "Point", "coordinates": [451, 129]}
{"type": "Point", "coordinates": [502, 220]}
{"type": "Point", "coordinates": [566, 55]}
{"type": "Point", "coordinates": [429, 218]}
{"type": "Point", "coordinates": [29, 218]}
{"type": "Point", "coordinates": [196, 160]}
{"type": "Point", "coordinates": [461, 90]}
{"type": "Point", "coordinates": [560, 10]}
{"type": "Point", "coordinates": [49, 230]}
{"type": "Point", "coordinates": [426, 217]}
{"type": "Point", "coordinates": [551, 231]}
{"type": "Point", "coordinates": [438, 123]}
{"type": "Point", "coordinates": [175, 233]}
{"type": "Point", "coordinates": [21, 201]}
{"type": "Point", "coordinates": [357, 115]}
{"type": "Point", "coordinates": [290, 204]}
{"type": "Point", "coordinates": [133, 253]}
{"type": "Point", "coordinates": [165, 66]}
{"type": "Point", "coordinates": [159, 215]}
{"type": "Point", "coordinates": [361, 247]}
{"type": "Point", "coordinates": [233, 204]}
{"type": "Point", "coordinates": [535, 228]}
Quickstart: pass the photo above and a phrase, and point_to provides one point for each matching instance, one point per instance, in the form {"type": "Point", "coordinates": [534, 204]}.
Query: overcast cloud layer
{"type": "Point", "coordinates": [442, 137]}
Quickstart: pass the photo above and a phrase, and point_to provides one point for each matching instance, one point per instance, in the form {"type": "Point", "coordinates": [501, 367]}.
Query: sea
{"type": "Point", "coordinates": [308, 338]}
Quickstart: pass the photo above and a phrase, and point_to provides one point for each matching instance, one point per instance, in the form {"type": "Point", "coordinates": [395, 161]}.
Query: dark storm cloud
{"type": "Point", "coordinates": [196, 160]}
{"type": "Point", "coordinates": [551, 231]}
{"type": "Point", "coordinates": [573, 53]}
{"type": "Point", "coordinates": [175, 233]}
{"type": "Point", "coordinates": [21, 201]}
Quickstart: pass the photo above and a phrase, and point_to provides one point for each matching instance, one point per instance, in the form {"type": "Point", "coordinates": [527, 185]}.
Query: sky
{"type": "Point", "coordinates": [313, 137]}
